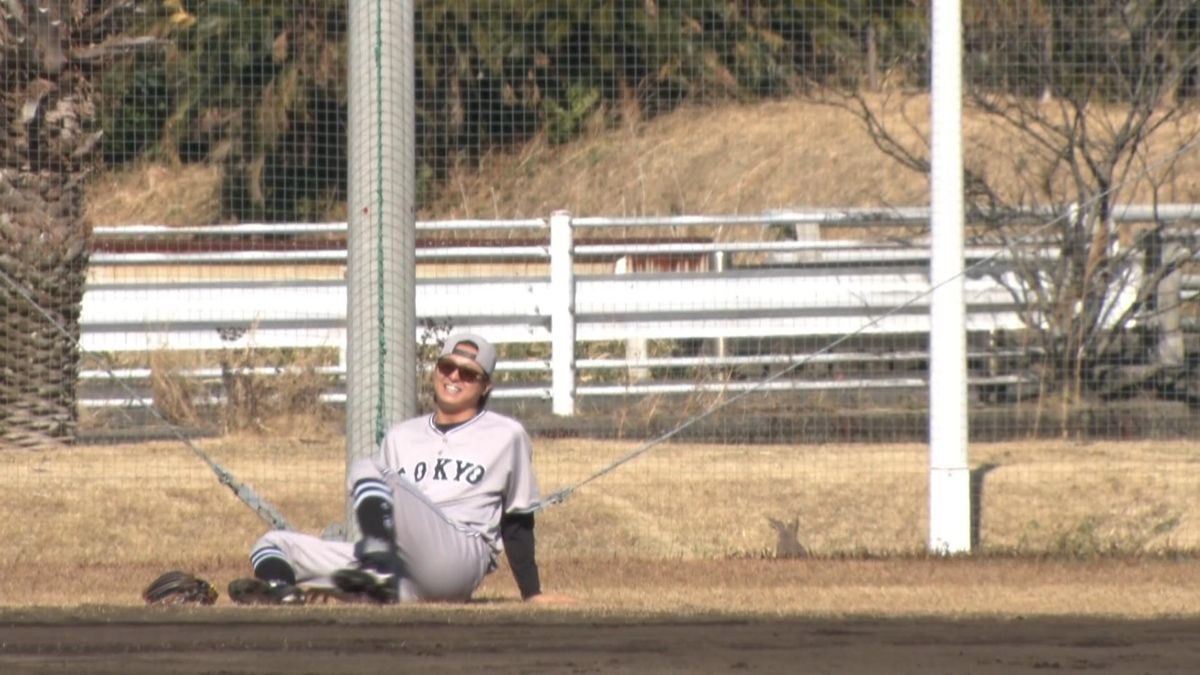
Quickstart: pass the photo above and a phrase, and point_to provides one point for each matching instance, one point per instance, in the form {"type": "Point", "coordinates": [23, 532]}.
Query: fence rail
{"type": "Point", "coordinates": [807, 289]}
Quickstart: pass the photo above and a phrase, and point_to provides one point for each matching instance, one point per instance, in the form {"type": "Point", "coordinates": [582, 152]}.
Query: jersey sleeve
{"type": "Point", "coordinates": [521, 493]}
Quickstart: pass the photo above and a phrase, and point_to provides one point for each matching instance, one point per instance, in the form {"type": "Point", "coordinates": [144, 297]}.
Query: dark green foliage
{"type": "Point", "coordinates": [255, 85]}
{"type": "Point", "coordinates": [496, 73]}
{"type": "Point", "coordinates": [139, 91]}
{"type": "Point", "coordinates": [1107, 51]}
{"type": "Point", "coordinates": [259, 85]}
{"type": "Point", "coordinates": [564, 123]}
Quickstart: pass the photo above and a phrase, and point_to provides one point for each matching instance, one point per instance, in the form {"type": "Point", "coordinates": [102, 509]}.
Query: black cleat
{"type": "Point", "coordinates": [376, 578]}
{"type": "Point", "coordinates": [251, 591]}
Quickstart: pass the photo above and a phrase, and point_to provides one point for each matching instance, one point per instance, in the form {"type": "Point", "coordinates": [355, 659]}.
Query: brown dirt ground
{"type": "Point", "coordinates": [401, 640]}
{"type": "Point", "coordinates": [809, 615]}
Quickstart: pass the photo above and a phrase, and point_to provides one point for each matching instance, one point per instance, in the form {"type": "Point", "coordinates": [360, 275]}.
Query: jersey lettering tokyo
{"type": "Point", "coordinates": [474, 472]}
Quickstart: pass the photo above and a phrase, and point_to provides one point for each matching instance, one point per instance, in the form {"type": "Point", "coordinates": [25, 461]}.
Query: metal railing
{"type": "Point", "coordinates": [825, 288]}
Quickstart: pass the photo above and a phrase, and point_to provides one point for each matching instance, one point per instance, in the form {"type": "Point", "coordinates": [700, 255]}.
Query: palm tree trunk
{"type": "Point", "coordinates": [43, 261]}
{"type": "Point", "coordinates": [46, 140]}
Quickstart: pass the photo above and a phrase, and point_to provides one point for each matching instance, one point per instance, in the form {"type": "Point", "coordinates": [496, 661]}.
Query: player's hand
{"type": "Point", "coordinates": [551, 599]}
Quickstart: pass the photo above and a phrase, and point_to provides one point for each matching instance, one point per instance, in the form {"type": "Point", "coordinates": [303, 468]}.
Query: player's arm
{"type": "Point", "coordinates": [516, 529]}
{"type": "Point", "coordinates": [516, 526]}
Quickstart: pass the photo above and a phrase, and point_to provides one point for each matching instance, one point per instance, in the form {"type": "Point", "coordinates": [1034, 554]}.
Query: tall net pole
{"type": "Point", "coordinates": [949, 477]}
{"type": "Point", "coordinates": [381, 349]}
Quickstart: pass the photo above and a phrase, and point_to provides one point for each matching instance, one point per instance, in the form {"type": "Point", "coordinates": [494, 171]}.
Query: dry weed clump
{"type": "Point", "coordinates": [177, 397]}
{"type": "Point", "coordinates": [232, 390]}
{"type": "Point", "coordinates": [155, 194]}
{"type": "Point", "coordinates": [259, 385]}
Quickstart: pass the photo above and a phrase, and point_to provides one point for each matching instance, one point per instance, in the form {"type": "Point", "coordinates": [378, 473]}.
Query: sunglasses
{"type": "Point", "coordinates": [466, 375]}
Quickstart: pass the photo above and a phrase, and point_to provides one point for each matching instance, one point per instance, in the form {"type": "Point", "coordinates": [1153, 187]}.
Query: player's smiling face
{"type": "Point", "coordinates": [459, 384]}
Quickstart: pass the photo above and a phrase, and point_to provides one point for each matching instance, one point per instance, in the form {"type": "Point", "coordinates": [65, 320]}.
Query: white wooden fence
{"type": "Point", "coordinates": [826, 288]}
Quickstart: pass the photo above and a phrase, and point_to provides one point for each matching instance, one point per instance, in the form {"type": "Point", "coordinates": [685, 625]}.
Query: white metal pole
{"type": "Point", "coordinates": [949, 475]}
{"type": "Point", "coordinates": [562, 314]}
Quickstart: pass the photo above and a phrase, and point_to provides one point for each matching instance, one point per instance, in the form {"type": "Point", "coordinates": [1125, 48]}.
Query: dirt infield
{"type": "Point", "coordinates": [334, 640]}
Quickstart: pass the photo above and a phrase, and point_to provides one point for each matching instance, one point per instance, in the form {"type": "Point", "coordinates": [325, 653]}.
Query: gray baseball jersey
{"type": "Point", "coordinates": [474, 473]}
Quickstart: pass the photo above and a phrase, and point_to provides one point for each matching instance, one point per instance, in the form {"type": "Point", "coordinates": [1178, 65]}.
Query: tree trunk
{"type": "Point", "coordinates": [48, 134]}
{"type": "Point", "coordinates": [43, 258]}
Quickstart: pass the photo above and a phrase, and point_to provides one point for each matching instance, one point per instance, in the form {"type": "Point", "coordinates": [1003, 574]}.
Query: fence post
{"type": "Point", "coordinates": [562, 314]}
{"type": "Point", "coordinates": [1168, 303]}
{"type": "Point", "coordinates": [636, 348]}
{"type": "Point", "coordinates": [716, 263]}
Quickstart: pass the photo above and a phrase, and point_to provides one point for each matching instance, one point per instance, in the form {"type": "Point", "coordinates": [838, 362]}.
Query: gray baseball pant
{"type": "Point", "coordinates": [442, 560]}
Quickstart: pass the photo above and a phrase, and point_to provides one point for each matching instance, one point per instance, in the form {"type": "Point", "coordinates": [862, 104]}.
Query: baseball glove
{"type": "Point", "coordinates": [179, 588]}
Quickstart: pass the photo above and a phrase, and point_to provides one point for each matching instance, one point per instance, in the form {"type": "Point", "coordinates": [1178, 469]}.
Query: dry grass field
{"type": "Point", "coordinates": [1100, 529]}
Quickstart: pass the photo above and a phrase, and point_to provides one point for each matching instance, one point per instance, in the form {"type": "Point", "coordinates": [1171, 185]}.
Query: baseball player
{"type": "Point", "coordinates": [446, 494]}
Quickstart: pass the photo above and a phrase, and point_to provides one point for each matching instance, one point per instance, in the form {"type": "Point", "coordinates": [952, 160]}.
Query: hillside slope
{"type": "Point", "coordinates": [729, 159]}
{"type": "Point", "coordinates": [732, 159]}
